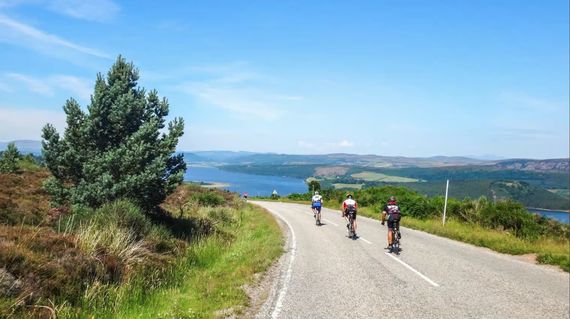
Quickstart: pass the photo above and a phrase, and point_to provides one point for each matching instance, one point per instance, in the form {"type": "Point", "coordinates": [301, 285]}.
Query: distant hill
{"type": "Point", "coordinates": [24, 146]}
{"type": "Point", "coordinates": [246, 158]}
{"type": "Point", "coordinates": [559, 164]}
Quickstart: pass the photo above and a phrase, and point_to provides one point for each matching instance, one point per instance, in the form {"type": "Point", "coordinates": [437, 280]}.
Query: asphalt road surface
{"type": "Point", "coordinates": [324, 274]}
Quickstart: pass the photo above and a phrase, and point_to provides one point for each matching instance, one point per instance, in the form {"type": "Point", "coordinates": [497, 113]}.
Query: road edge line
{"type": "Point", "coordinates": [289, 272]}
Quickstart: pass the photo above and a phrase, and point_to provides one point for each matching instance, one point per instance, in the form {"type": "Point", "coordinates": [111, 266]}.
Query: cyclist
{"type": "Point", "coordinates": [350, 206]}
{"type": "Point", "coordinates": [391, 213]}
{"type": "Point", "coordinates": [317, 203]}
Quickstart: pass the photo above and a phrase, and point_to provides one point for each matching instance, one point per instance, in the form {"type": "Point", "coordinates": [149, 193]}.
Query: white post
{"type": "Point", "coordinates": [445, 205]}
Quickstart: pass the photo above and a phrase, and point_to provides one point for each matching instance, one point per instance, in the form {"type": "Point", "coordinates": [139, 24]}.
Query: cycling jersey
{"type": "Point", "coordinates": [349, 203]}
{"type": "Point", "coordinates": [317, 201]}
{"type": "Point", "coordinates": [394, 215]}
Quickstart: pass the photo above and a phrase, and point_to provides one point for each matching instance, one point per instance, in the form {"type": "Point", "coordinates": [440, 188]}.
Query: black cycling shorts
{"type": "Point", "coordinates": [394, 221]}
{"type": "Point", "coordinates": [318, 208]}
{"type": "Point", "coordinates": [352, 212]}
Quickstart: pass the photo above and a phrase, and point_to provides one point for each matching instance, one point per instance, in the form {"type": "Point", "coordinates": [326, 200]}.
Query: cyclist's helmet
{"type": "Point", "coordinates": [349, 195]}
{"type": "Point", "coordinates": [316, 193]}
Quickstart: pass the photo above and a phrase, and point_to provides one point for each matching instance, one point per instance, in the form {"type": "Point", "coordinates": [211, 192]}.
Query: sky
{"type": "Point", "coordinates": [408, 78]}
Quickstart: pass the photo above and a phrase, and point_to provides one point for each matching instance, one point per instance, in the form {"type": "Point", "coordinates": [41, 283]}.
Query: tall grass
{"type": "Point", "coordinates": [208, 281]}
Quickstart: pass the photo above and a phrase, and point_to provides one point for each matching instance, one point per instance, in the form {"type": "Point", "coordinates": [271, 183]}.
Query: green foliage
{"type": "Point", "coordinates": [314, 186]}
{"type": "Point", "coordinates": [9, 159]}
{"type": "Point", "coordinates": [115, 149]}
{"type": "Point", "coordinates": [211, 199]}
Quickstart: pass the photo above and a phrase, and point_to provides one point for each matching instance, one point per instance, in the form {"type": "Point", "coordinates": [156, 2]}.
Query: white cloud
{"type": "Point", "coordinates": [26, 123]}
{"type": "Point", "coordinates": [79, 88]}
{"type": "Point", "coordinates": [16, 32]}
{"type": "Point", "coordinates": [93, 10]}
{"type": "Point", "coordinates": [524, 101]}
{"type": "Point", "coordinates": [304, 144]}
{"type": "Point", "coordinates": [345, 143]}
{"type": "Point", "coordinates": [241, 101]}
{"type": "Point", "coordinates": [236, 88]}
{"type": "Point", "coordinates": [325, 147]}
{"type": "Point", "coordinates": [34, 85]}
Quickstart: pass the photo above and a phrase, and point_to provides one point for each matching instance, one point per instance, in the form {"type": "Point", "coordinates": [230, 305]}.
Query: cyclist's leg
{"type": "Point", "coordinates": [390, 226]}
{"type": "Point", "coordinates": [354, 222]}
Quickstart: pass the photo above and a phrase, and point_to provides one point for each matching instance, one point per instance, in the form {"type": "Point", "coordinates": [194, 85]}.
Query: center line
{"type": "Point", "coordinates": [413, 270]}
{"type": "Point", "coordinates": [366, 241]}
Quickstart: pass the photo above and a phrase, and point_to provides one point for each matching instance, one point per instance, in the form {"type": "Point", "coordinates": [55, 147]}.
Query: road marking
{"type": "Point", "coordinates": [364, 239]}
{"type": "Point", "coordinates": [283, 292]}
{"type": "Point", "coordinates": [413, 270]}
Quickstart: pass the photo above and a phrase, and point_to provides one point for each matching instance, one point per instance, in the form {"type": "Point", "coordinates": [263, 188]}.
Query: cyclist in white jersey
{"type": "Point", "coordinates": [316, 205]}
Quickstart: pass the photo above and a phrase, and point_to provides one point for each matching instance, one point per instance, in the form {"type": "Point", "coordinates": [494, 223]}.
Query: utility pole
{"type": "Point", "coordinates": [445, 205]}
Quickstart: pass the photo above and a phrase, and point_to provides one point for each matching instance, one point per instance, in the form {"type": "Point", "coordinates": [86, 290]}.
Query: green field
{"type": "Point", "coordinates": [379, 177]}
{"type": "Point", "coordinates": [347, 186]}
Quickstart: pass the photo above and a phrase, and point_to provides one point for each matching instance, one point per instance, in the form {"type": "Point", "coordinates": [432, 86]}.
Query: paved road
{"type": "Point", "coordinates": [324, 274]}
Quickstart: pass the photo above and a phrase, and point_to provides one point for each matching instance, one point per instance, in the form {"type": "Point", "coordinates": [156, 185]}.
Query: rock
{"type": "Point", "coordinates": [9, 285]}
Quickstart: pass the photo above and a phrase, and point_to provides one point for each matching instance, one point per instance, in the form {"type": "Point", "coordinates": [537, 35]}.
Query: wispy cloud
{"type": "Point", "coordinates": [80, 88]}
{"type": "Point", "coordinates": [523, 133]}
{"type": "Point", "coordinates": [26, 123]}
{"type": "Point", "coordinates": [93, 10]}
{"type": "Point", "coordinates": [32, 84]}
{"type": "Point", "coordinates": [338, 146]}
{"type": "Point", "coordinates": [18, 33]}
{"type": "Point", "coordinates": [237, 89]}
{"type": "Point", "coordinates": [521, 100]}
{"type": "Point", "coordinates": [241, 101]}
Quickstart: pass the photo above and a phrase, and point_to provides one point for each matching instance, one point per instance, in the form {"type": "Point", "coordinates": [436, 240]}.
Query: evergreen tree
{"type": "Point", "coordinates": [9, 159]}
{"type": "Point", "coordinates": [118, 148]}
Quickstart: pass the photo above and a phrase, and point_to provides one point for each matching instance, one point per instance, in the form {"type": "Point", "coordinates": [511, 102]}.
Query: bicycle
{"type": "Point", "coordinates": [317, 215]}
{"type": "Point", "coordinates": [395, 248]}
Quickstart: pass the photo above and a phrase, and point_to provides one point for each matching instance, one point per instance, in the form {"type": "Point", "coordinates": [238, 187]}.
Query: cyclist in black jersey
{"type": "Point", "coordinates": [391, 213]}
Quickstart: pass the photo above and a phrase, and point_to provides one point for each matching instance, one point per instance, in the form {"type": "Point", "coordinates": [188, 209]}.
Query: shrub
{"type": "Point", "coordinates": [210, 198]}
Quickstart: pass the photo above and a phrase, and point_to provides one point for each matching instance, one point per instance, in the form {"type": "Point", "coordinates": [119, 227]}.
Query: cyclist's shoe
{"type": "Point", "coordinates": [399, 235]}
{"type": "Point", "coordinates": [389, 247]}
{"type": "Point", "coordinates": [382, 223]}
{"type": "Point", "coordinates": [347, 225]}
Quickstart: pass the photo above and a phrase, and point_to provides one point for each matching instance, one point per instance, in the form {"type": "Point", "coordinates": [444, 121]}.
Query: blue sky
{"type": "Point", "coordinates": [412, 78]}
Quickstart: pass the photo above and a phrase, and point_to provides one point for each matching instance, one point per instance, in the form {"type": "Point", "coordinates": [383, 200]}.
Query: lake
{"type": "Point", "coordinates": [558, 215]}
{"type": "Point", "coordinates": [255, 185]}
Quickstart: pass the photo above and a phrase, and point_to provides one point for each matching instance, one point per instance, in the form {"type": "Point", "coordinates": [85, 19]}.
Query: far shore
{"type": "Point", "coordinates": [550, 210]}
{"type": "Point", "coordinates": [214, 185]}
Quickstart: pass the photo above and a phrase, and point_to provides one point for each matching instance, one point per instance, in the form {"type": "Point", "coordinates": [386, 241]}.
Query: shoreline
{"type": "Point", "coordinates": [550, 210]}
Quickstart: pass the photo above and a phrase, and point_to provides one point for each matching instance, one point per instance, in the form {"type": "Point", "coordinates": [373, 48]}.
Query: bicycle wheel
{"type": "Point", "coordinates": [395, 242]}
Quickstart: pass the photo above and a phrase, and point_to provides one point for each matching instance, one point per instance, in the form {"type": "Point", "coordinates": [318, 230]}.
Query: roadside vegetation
{"type": "Point", "coordinates": [103, 227]}
{"type": "Point", "coordinates": [504, 226]}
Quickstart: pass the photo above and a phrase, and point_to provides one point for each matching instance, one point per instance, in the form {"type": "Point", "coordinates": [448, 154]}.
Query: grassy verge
{"type": "Point", "coordinates": [548, 250]}
{"type": "Point", "coordinates": [213, 271]}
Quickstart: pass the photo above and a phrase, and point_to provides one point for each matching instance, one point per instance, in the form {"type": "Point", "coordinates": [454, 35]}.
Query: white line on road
{"type": "Point", "coordinates": [413, 270]}
{"type": "Point", "coordinates": [279, 302]}
{"type": "Point", "coordinates": [364, 239]}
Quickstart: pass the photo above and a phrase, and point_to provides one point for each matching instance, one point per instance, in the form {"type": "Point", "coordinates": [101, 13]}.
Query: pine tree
{"type": "Point", "coordinates": [116, 148]}
{"type": "Point", "coordinates": [9, 159]}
